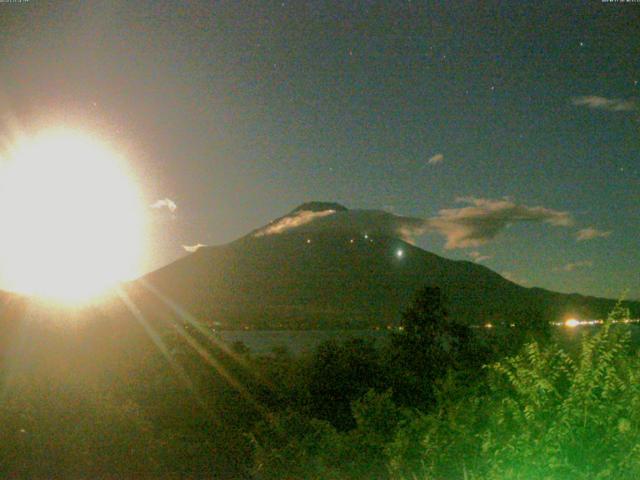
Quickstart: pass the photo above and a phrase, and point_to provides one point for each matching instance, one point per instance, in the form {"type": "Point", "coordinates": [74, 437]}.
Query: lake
{"type": "Point", "coordinates": [301, 341]}
{"type": "Point", "coordinates": [296, 341]}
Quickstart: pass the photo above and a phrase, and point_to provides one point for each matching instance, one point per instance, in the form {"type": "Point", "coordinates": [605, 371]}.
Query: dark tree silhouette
{"type": "Point", "coordinates": [428, 345]}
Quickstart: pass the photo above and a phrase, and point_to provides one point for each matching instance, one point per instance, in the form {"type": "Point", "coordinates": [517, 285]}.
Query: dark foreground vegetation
{"type": "Point", "coordinates": [437, 401]}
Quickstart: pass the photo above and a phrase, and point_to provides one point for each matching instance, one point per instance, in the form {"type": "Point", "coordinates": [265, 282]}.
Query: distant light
{"type": "Point", "coordinates": [488, 325]}
{"type": "Point", "coordinates": [571, 323]}
{"type": "Point", "coordinates": [308, 240]}
{"type": "Point", "coordinates": [351, 241]}
{"type": "Point", "coordinates": [366, 236]}
{"type": "Point", "coordinates": [399, 253]}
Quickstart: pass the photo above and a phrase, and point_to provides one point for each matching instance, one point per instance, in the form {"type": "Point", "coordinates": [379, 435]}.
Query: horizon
{"type": "Point", "coordinates": [518, 145]}
{"type": "Point", "coordinates": [391, 234]}
{"type": "Point", "coordinates": [313, 239]}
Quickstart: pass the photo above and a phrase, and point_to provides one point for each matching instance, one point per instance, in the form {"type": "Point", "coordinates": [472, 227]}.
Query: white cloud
{"type": "Point", "coordinates": [590, 233]}
{"type": "Point", "coordinates": [602, 103]}
{"type": "Point", "coordinates": [484, 219]}
{"type": "Point", "coordinates": [165, 203]}
{"type": "Point", "coordinates": [193, 248]}
{"type": "Point", "coordinates": [469, 226]}
{"type": "Point", "coordinates": [353, 222]}
{"type": "Point", "coordinates": [437, 158]}
{"type": "Point", "coordinates": [298, 219]}
{"type": "Point", "coordinates": [479, 257]}
{"type": "Point", "coordinates": [570, 267]}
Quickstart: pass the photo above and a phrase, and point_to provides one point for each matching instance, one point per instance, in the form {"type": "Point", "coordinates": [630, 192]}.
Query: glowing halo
{"type": "Point", "coordinates": [71, 216]}
{"type": "Point", "coordinates": [572, 323]}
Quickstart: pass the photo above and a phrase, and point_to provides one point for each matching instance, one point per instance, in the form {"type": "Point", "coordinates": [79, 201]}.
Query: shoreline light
{"type": "Point", "coordinates": [572, 323]}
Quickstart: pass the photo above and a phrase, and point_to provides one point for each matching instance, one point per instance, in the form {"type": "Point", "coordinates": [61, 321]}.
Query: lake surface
{"type": "Point", "coordinates": [301, 341]}
{"type": "Point", "coordinates": [296, 341]}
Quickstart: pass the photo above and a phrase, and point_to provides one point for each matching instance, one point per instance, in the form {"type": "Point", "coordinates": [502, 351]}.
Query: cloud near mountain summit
{"type": "Point", "coordinates": [295, 220]}
{"type": "Point", "coordinates": [483, 219]}
{"type": "Point", "coordinates": [475, 224]}
{"type": "Point", "coordinates": [356, 222]}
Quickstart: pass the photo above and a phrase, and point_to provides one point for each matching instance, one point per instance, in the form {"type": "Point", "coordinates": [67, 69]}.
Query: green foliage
{"type": "Point", "coordinates": [97, 404]}
{"type": "Point", "coordinates": [441, 443]}
{"type": "Point", "coordinates": [69, 433]}
{"type": "Point", "coordinates": [294, 446]}
{"type": "Point", "coordinates": [339, 373]}
{"type": "Point", "coordinates": [564, 418]}
{"type": "Point", "coordinates": [544, 415]}
{"type": "Point", "coordinates": [377, 419]}
{"type": "Point", "coordinates": [376, 415]}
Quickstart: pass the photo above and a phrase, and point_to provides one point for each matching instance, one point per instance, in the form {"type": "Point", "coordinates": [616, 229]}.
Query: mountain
{"type": "Point", "coordinates": [324, 266]}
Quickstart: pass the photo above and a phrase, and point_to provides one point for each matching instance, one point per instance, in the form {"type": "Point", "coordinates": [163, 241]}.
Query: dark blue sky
{"type": "Point", "coordinates": [240, 111]}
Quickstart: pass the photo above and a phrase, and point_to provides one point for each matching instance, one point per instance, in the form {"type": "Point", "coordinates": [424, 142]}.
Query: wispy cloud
{"type": "Point", "coordinates": [298, 219]}
{"type": "Point", "coordinates": [165, 203]}
{"type": "Point", "coordinates": [437, 158]}
{"type": "Point", "coordinates": [590, 233]}
{"type": "Point", "coordinates": [479, 257]}
{"type": "Point", "coordinates": [472, 225]}
{"type": "Point", "coordinates": [357, 223]}
{"type": "Point", "coordinates": [602, 103]}
{"type": "Point", "coordinates": [483, 219]}
{"type": "Point", "coordinates": [570, 267]}
{"type": "Point", "coordinates": [193, 248]}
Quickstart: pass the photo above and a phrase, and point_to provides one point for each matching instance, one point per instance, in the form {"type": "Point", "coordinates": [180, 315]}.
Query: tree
{"type": "Point", "coordinates": [428, 345]}
{"type": "Point", "coordinates": [339, 373]}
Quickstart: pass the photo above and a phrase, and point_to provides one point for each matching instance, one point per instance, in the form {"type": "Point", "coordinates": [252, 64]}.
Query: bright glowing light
{"type": "Point", "coordinates": [399, 253]}
{"type": "Point", "coordinates": [488, 325]}
{"type": "Point", "coordinates": [72, 219]}
{"type": "Point", "coordinates": [571, 323]}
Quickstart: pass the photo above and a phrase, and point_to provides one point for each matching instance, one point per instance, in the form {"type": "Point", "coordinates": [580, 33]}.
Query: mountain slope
{"type": "Point", "coordinates": [347, 268]}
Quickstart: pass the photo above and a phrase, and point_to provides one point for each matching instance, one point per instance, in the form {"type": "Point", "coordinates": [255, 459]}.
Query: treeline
{"type": "Point", "coordinates": [437, 401]}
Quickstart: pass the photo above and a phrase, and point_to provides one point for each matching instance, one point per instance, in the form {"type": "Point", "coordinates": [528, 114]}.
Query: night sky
{"type": "Point", "coordinates": [518, 123]}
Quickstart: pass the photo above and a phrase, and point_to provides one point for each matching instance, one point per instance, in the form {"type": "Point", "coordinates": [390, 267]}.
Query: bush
{"type": "Point", "coordinates": [545, 415]}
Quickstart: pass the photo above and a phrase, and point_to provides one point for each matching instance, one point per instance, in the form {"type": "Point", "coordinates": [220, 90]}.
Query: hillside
{"type": "Point", "coordinates": [347, 268]}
